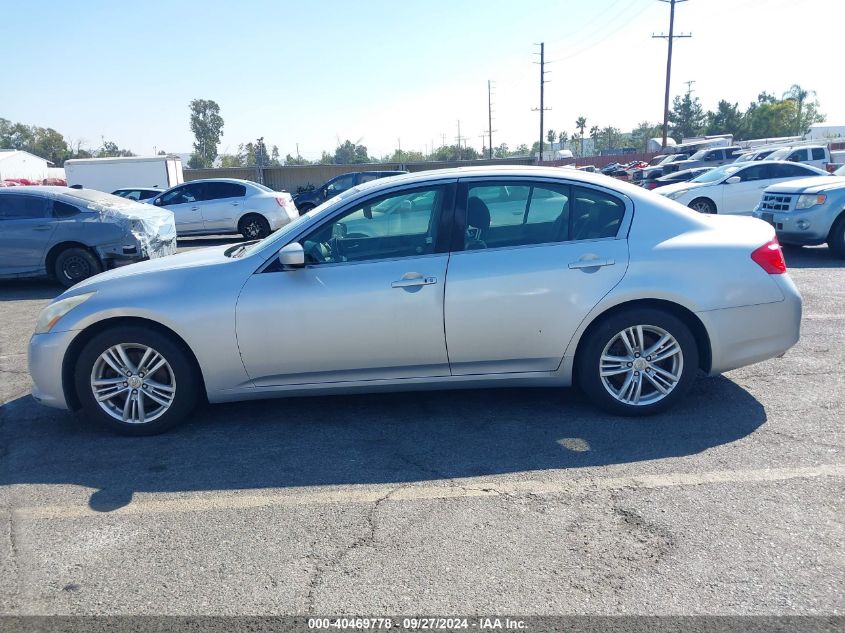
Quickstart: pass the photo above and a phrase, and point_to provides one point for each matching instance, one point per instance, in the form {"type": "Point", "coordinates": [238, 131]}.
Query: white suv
{"type": "Point", "coordinates": [217, 206]}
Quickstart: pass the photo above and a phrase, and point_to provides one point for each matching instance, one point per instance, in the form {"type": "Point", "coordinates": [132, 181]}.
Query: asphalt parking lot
{"type": "Point", "coordinates": [499, 501]}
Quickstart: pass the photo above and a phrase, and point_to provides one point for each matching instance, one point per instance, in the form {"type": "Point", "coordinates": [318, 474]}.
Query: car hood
{"type": "Point", "coordinates": [680, 186]}
{"type": "Point", "coordinates": [814, 184]}
{"type": "Point", "coordinates": [192, 259]}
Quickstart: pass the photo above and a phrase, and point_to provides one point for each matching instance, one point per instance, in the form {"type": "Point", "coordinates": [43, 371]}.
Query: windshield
{"type": "Point", "coordinates": [780, 154]}
{"type": "Point", "coordinates": [744, 158]}
{"type": "Point", "coordinates": [699, 155]}
{"type": "Point", "coordinates": [717, 174]}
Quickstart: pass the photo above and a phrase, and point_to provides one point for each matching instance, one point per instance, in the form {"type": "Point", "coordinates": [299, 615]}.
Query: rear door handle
{"type": "Point", "coordinates": [591, 263]}
{"type": "Point", "coordinates": [195, 208]}
{"type": "Point", "coordinates": [414, 281]}
{"type": "Point", "coordinates": [42, 227]}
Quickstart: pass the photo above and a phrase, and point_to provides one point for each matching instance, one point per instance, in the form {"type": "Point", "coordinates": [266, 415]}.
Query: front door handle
{"type": "Point", "coordinates": [195, 208]}
{"type": "Point", "coordinates": [42, 227]}
{"type": "Point", "coordinates": [411, 282]}
{"type": "Point", "coordinates": [234, 204]}
{"type": "Point", "coordinates": [591, 263]}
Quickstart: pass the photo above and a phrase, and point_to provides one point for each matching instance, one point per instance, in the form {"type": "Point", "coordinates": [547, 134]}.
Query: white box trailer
{"type": "Point", "coordinates": [108, 174]}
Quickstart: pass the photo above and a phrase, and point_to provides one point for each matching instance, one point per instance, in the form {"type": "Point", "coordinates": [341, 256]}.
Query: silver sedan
{"type": "Point", "coordinates": [473, 277]}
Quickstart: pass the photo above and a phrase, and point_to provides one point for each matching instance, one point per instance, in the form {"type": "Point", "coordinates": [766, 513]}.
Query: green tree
{"type": "Point", "coordinates": [502, 151]}
{"type": "Point", "coordinates": [562, 137]}
{"type": "Point", "coordinates": [727, 119]}
{"type": "Point", "coordinates": [551, 135]}
{"type": "Point", "coordinates": [643, 132]}
{"type": "Point", "coordinates": [521, 150]}
{"type": "Point", "coordinates": [290, 160]}
{"type": "Point", "coordinates": [611, 137]}
{"type": "Point", "coordinates": [350, 153]}
{"type": "Point", "coordinates": [686, 118]}
{"type": "Point", "coordinates": [806, 110]}
{"type": "Point", "coordinates": [111, 149]}
{"type": "Point", "coordinates": [594, 135]}
{"type": "Point", "coordinates": [581, 124]}
{"type": "Point", "coordinates": [207, 126]}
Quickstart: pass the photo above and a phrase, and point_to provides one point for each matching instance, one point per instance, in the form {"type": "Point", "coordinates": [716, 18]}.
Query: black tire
{"type": "Point", "coordinates": [73, 265]}
{"type": "Point", "coordinates": [254, 227]}
{"type": "Point", "coordinates": [186, 383]}
{"type": "Point", "coordinates": [305, 208]}
{"type": "Point", "coordinates": [836, 237]}
{"type": "Point", "coordinates": [588, 371]}
{"type": "Point", "coordinates": [703, 205]}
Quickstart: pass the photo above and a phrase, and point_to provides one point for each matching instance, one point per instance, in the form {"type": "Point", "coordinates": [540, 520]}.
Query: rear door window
{"type": "Point", "coordinates": [17, 207]}
{"type": "Point", "coordinates": [220, 190]}
{"type": "Point", "coordinates": [818, 153]}
{"type": "Point", "coordinates": [64, 210]}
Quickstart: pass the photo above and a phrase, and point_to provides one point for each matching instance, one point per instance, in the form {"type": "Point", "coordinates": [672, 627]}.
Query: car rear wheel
{"type": "Point", "coordinates": [305, 208]}
{"type": "Point", "coordinates": [703, 205]}
{"type": "Point", "coordinates": [638, 362]}
{"type": "Point", "coordinates": [836, 238]}
{"type": "Point", "coordinates": [73, 265]}
{"type": "Point", "coordinates": [135, 381]}
{"type": "Point", "coordinates": [254, 227]}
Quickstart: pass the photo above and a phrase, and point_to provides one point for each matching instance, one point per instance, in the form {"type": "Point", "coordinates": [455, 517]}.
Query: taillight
{"type": "Point", "coordinates": [770, 258]}
{"type": "Point", "coordinates": [281, 202]}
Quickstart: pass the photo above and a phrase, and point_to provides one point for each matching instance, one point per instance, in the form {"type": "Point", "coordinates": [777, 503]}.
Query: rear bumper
{"type": "Point", "coordinates": [751, 334]}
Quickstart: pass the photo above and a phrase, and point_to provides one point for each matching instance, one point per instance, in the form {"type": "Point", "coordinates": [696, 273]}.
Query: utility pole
{"type": "Point", "coordinates": [489, 119]}
{"type": "Point", "coordinates": [542, 107]}
{"type": "Point", "coordinates": [459, 138]}
{"type": "Point", "coordinates": [670, 38]}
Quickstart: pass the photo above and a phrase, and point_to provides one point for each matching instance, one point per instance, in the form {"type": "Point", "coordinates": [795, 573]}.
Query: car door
{"type": "Point", "coordinates": [221, 205]}
{"type": "Point", "coordinates": [25, 231]}
{"type": "Point", "coordinates": [368, 305]}
{"type": "Point", "coordinates": [184, 201]}
{"type": "Point", "coordinates": [532, 258]}
{"type": "Point", "coordinates": [741, 197]}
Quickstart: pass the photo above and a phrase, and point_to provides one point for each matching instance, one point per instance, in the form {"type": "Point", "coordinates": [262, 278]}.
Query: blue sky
{"type": "Point", "coordinates": [390, 72]}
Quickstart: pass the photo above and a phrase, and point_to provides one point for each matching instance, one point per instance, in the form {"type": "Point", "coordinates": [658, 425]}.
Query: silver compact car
{"type": "Point", "coordinates": [226, 205]}
{"type": "Point", "coordinates": [472, 277]}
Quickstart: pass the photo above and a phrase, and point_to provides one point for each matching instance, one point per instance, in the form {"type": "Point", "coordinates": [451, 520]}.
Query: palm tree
{"type": "Point", "coordinates": [799, 95]}
{"type": "Point", "coordinates": [581, 124]}
{"type": "Point", "coordinates": [550, 136]}
{"type": "Point", "coordinates": [594, 134]}
{"type": "Point", "coordinates": [562, 138]}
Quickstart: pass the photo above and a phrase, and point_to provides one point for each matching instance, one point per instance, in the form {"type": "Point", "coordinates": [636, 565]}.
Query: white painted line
{"type": "Point", "coordinates": [233, 500]}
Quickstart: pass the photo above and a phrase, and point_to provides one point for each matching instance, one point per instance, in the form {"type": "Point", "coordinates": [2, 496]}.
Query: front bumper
{"type": "Point", "coordinates": [805, 228]}
{"type": "Point", "coordinates": [751, 334]}
{"type": "Point", "coordinates": [46, 357]}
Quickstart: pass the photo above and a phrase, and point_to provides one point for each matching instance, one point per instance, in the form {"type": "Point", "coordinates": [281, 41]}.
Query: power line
{"type": "Point", "coordinates": [671, 37]}
{"type": "Point", "coordinates": [542, 107]}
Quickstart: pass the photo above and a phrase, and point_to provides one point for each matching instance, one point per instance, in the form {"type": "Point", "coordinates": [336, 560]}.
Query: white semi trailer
{"type": "Point", "coordinates": [109, 174]}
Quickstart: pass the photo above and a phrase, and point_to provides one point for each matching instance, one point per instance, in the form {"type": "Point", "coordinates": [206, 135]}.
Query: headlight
{"type": "Point", "coordinates": [807, 200]}
{"type": "Point", "coordinates": [676, 194]}
{"type": "Point", "coordinates": [55, 311]}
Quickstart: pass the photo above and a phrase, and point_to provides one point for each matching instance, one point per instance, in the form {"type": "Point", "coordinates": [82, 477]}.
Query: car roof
{"type": "Point", "coordinates": [504, 171]}
{"type": "Point", "coordinates": [237, 181]}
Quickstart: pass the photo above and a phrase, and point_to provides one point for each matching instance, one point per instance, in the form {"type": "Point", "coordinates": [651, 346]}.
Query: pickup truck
{"type": "Point", "coordinates": [815, 155]}
{"type": "Point", "coordinates": [708, 157]}
{"type": "Point", "coordinates": [808, 211]}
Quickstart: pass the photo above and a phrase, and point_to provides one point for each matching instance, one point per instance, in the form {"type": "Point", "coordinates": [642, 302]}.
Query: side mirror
{"type": "Point", "coordinates": [292, 255]}
{"type": "Point", "coordinates": [157, 202]}
{"type": "Point", "coordinates": [733, 180]}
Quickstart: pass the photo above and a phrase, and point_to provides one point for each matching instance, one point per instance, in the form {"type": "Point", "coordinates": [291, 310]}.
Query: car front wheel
{"type": "Point", "coordinates": [703, 205]}
{"type": "Point", "coordinates": [836, 239]}
{"type": "Point", "coordinates": [638, 362]}
{"type": "Point", "coordinates": [135, 381]}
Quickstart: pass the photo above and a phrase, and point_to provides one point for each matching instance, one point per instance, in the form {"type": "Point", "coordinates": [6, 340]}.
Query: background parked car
{"type": "Point", "coordinates": [227, 205]}
{"type": "Point", "coordinates": [307, 200]}
{"type": "Point", "coordinates": [760, 154]}
{"type": "Point", "coordinates": [137, 193]}
{"type": "Point", "coordinates": [709, 157]}
{"type": "Point", "coordinates": [735, 188]}
{"type": "Point", "coordinates": [71, 234]}
{"type": "Point", "coordinates": [670, 179]}
{"type": "Point", "coordinates": [807, 212]}
{"type": "Point", "coordinates": [655, 170]}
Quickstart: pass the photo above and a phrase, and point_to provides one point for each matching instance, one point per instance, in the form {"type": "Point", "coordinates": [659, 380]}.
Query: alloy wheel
{"type": "Point", "coordinates": [641, 365]}
{"type": "Point", "coordinates": [133, 383]}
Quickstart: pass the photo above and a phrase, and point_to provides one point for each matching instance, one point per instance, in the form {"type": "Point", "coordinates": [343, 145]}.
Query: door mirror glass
{"type": "Point", "coordinates": [292, 256]}
{"type": "Point", "coordinates": [733, 180]}
{"type": "Point", "coordinates": [157, 202]}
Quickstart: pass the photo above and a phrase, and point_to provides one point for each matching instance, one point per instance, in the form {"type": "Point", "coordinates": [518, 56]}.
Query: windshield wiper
{"type": "Point", "coordinates": [241, 248]}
